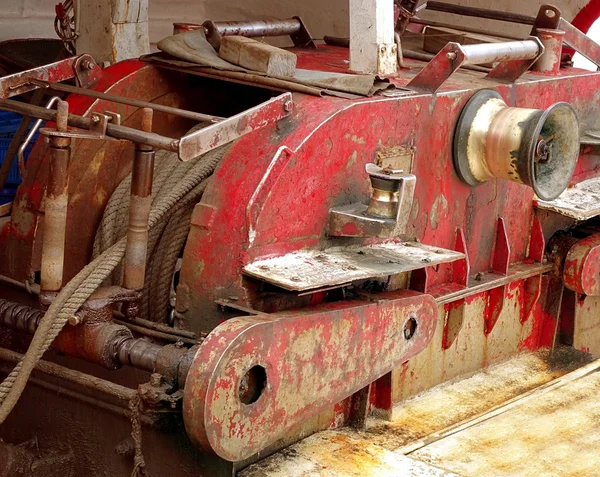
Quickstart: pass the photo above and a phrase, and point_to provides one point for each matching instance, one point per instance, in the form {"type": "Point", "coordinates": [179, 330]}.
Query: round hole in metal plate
{"type": "Point", "coordinates": [253, 384]}
{"type": "Point", "coordinates": [410, 327]}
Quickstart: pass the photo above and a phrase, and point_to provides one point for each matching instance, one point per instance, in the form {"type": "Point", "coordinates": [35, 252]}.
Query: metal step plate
{"type": "Point", "coordinates": [315, 269]}
{"type": "Point", "coordinates": [581, 202]}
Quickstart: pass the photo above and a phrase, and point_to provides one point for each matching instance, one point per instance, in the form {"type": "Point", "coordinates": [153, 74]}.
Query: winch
{"type": "Point", "coordinates": [207, 262]}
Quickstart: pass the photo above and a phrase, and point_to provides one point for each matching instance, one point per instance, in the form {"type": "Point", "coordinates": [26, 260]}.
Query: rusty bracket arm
{"type": "Point", "coordinates": [83, 68]}
{"type": "Point", "coordinates": [232, 128]}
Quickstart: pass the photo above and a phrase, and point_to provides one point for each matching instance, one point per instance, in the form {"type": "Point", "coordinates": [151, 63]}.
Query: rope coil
{"type": "Point", "coordinates": [175, 195]}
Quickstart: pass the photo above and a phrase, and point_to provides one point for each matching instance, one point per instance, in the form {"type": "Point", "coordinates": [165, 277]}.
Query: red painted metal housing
{"type": "Point", "coordinates": [272, 194]}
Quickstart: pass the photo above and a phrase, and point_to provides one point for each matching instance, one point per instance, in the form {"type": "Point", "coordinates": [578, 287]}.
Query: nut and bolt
{"type": "Point", "coordinates": [451, 56]}
{"type": "Point", "coordinates": [288, 106]}
{"type": "Point", "coordinates": [87, 65]}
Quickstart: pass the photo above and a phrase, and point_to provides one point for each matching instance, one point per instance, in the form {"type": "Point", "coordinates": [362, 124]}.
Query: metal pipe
{"type": "Point", "coordinates": [156, 334]}
{"type": "Point", "coordinates": [36, 126]}
{"type": "Point", "coordinates": [72, 376]}
{"type": "Point", "coordinates": [139, 211]}
{"type": "Point", "coordinates": [139, 353]}
{"type": "Point", "coordinates": [32, 288]}
{"type": "Point", "coordinates": [254, 28]}
{"type": "Point", "coordinates": [421, 21]}
{"type": "Point", "coordinates": [481, 13]}
{"type": "Point", "coordinates": [16, 140]}
{"type": "Point", "coordinates": [131, 102]}
{"type": "Point", "coordinates": [552, 40]}
{"type": "Point", "coordinates": [417, 55]}
{"type": "Point", "coordinates": [494, 52]}
{"type": "Point", "coordinates": [112, 130]}
{"type": "Point", "coordinates": [57, 197]}
{"type": "Point", "coordinates": [81, 343]}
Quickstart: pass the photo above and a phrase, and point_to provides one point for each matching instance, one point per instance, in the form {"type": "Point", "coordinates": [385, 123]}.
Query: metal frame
{"type": "Point", "coordinates": [187, 147]}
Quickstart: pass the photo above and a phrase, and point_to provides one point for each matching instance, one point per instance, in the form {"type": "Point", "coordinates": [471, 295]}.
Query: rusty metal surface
{"type": "Point", "coordinates": [288, 176]}
{"type": "Point", "coordinates": [129, 101]}
{"type": "Point", "coordinates": [580, 202]}
{"type": "Point", "coordinates": [57, 197]}
{"type": "Point", "coordinates": [337, 454]}
{"type": "Point", "coordinates": [140, 202]}
{"type": "Point", "coordinates": [306, 270]}
{"type": "Point", "coordinates": [581, 266]}
{"type": "Point", "coordinates": [62, 70]}
{"type": "Point", "coordinates": [309, 359]}
{"type": "Point", "coordinates": [545, 435]}
{"type": "Point", "coordinates": [552, 40]}
{"type": "Point", "coordinates": [364, 453]}
{"type": "Point", "coordinates": [580, 41]}
{"type": "Point", "coordinates": [230, 129]}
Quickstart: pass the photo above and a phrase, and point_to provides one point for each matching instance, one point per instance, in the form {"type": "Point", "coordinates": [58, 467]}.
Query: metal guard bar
{"type": "Point", "coordinates": [187, 147]}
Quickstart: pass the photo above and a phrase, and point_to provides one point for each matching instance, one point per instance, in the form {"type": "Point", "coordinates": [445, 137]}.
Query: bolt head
{"type": "Point", "coordinates": [95, 119]}
{"type": "Point", "coordinates": [288, 106]}
{"type": "Point", "coordinates": [451, 56]}
{"type": "Point", "coordinates": [74, 320]}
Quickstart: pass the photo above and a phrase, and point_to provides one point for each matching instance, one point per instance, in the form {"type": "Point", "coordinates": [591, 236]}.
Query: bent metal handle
{"type": "Point", "coordinates": [255, 378]}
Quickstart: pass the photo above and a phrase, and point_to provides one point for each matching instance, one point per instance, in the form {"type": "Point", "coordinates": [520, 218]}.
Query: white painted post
{"type": "Point", "coordinates": [113, 30]}
{"type": "Point", "coordinates": [372, 46]}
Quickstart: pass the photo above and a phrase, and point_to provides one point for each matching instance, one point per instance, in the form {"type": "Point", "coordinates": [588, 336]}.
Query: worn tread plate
{"type": "Point", "coordinates": [581, 202]}
{"type": "Point", "coordinates": [313, 269]}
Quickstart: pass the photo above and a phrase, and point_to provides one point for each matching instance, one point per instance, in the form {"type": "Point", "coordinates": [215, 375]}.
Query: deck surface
{"type": "Point", "coordinates": [555, 433]}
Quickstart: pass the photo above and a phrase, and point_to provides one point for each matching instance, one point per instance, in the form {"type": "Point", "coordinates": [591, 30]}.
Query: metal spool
{"type": "Point", "coordinates": [538, 148]}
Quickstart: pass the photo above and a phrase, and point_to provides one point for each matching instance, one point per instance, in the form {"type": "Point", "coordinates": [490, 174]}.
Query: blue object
{"type": "Point", "coordinates": [9, 123]}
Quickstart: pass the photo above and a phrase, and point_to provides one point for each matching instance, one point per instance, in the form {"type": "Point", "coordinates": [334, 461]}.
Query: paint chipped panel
{"type": "Point", "coordinates": [581, 202]}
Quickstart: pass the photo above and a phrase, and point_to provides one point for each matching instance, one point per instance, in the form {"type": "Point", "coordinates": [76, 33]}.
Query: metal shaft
{"type": "Point", "coordinates": [255, 28]}
{"type": "Point", "coordinates": [112, 130]}
{"type": "Point", "coordinates": [506, 51]}
{"type": "Point", "coordinates": [77, 377]}
{"type": "Point", "coordinates": [481, 13]}
{"type": "Point", "coordinates": [139, 211]}
{"type": "Point", "coordinates": [139, 353]}
{"type": "Point", "coordinates": [57, 197]}
{"type": "Point", "coordinates": [131, 102]}
{"type": "Point", "coordinates": [421, 21]}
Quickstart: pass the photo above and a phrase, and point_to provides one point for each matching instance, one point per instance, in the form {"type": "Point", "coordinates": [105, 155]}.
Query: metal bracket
{"type": "Point", "coordinates": [358, 220]}
{"type": "Point", "coordinates": [580, 42]}
{"type": "Point", "coordinates": [113, 118]}
{"type": "Point", "coordinates": [230, 129]}
{"type": "Point", "coordinates": [83, 68]}
{"type": "Point", "coordinates": [87, 72]}
{"type": "Point", "coordinates": [97, 130]}
{"type": "Point", "coordinates": [518, 56]}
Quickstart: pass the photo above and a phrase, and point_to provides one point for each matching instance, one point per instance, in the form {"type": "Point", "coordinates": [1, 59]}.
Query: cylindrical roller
{"type": "Point", "coordinates": [535, 147]}
{"type": "Point", "coordinates": [485, 53]}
